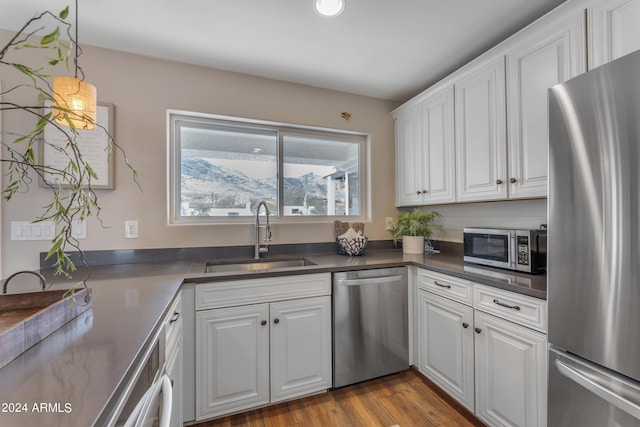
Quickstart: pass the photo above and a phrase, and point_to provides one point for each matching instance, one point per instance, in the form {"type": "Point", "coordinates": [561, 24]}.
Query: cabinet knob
{"type": "Point", "coordinates": [498, 181]}
{"type": "Point", "coordinates": [513, 180]}
{"type": "Point", "coordinates": [425, 191]}
{"type": "Point", "coordinates": [478, 330]}
{"type": "Point", "coordinates": [276, 320]}
{"type": "Point", "coordinates": [418, 192]}
{"type": "Point", "coordinates": [465, 325]}
{"type": "Point", "coordinates": [264, 322]}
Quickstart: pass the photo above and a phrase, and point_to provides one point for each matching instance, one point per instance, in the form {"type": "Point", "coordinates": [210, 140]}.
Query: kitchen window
{"type": "Point", "coordinates": [220, 168]}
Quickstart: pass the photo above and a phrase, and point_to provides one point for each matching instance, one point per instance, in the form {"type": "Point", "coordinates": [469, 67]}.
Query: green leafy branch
{"type": "Point", "coordinates": [73, 194]}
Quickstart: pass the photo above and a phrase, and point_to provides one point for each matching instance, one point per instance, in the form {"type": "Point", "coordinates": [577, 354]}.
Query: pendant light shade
{"type": "Point", "coordinates": [329, 7]}
{"type": "Point", "coordinates": [76, 102]}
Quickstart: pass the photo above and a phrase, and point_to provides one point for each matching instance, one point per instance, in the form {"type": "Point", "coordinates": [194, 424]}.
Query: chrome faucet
{"type": "Point", "coordinates": [267, 232]}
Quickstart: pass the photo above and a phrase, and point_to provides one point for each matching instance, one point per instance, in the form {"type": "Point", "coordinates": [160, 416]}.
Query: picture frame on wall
{"type": "Point", "coordinates": [93, 145]}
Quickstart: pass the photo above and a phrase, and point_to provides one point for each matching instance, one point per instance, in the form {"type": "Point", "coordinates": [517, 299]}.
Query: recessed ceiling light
{"type": "Point", "coordinates": [329, 8]}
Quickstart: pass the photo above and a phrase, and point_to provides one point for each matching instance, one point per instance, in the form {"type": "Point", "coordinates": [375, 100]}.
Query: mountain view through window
{"type": "Point", "coordinates": [226, 169]}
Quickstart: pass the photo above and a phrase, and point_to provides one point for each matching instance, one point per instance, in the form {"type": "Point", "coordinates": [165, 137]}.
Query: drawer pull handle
{"type": "Point", "coordinates": [175, 317]}
{"type": "Point", "coordinates": [441, 285]}
{"type": "Point", "coordinates": [513, 307]}
{"type": "Point", "coordinates": [465, 325]}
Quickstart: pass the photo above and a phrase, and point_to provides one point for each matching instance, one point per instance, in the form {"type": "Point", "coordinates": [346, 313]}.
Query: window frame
{"type": "Point", "coordinates": [176, 117]}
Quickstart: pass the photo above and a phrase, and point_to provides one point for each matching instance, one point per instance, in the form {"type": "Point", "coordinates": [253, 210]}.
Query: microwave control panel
{"type": "Point", "coordinates": [523, 250]}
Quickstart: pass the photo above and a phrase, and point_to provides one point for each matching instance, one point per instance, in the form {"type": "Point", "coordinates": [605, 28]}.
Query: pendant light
{"type": "Point", "coordinates": [329, 8]}
{"type": "Point", "coordinates": [75, 98]}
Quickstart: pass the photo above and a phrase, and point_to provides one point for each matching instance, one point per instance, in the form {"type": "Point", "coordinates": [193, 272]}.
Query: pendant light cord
{"type": "Point", "coordinates": [75, 60]}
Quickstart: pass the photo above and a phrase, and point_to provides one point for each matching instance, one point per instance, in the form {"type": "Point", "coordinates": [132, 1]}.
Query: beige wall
{"type": "Point", "coordinates": [142, 89]}
{"type": "Point", "coordinates": [515, 213]}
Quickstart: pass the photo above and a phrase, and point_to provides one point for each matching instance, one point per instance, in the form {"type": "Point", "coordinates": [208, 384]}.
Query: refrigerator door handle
{"type": "Point", "coordinates": [370, 281]}
{"type": "Point", "coordinates": [604, 393]}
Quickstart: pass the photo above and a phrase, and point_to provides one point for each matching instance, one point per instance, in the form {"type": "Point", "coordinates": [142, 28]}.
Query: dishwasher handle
{"type": "Point", "coordinates": [370, 280]}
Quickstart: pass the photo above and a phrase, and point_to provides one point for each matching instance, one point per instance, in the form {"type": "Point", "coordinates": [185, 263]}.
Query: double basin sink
{"type": "Point", "coordinates": [256, 264]}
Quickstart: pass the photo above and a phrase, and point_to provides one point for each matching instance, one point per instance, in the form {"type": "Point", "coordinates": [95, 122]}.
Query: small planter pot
{"type": "Point", "coordinates": [413, 245]}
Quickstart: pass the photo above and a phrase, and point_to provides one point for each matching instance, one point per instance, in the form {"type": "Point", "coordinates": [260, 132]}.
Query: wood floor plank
{"type": "Point", "coordinates": [405, 399]}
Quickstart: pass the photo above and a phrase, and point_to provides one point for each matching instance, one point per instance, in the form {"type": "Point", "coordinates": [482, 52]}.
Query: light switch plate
{"type": "Point", "coordinates": [27, 230]}
{"type": "Point", "coordinates": [79, 229]}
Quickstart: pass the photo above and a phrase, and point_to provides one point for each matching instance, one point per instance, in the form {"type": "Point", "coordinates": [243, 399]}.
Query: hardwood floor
{"type": "Point", "coordinates": [401, 400]}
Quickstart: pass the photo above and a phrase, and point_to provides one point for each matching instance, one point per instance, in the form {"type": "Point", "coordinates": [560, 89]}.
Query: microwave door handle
{"type": "Point", "coordinates": [512, 251]}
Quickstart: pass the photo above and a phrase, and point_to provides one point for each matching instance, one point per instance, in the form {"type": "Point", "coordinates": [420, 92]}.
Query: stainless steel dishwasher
{"type": "Point", "coordinates": [370, 324]}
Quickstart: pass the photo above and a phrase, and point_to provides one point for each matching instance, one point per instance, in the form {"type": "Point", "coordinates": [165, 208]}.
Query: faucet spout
{"type": "Point", "coordinates": [267, 232]}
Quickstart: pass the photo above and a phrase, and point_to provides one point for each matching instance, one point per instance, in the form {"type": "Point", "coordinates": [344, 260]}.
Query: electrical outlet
{"type": "Point", "coordinates": [131, 229]}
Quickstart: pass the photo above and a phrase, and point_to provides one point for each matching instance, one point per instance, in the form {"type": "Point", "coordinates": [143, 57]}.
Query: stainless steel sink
{"type": "Point", "coordinates": [256, 264]}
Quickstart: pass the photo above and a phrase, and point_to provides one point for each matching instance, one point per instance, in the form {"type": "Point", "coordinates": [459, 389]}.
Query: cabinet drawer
{"type": "Point", "coordinates": [447, 286]}
{"type": "Point", "coordinates": [253, 291]}
{"type": "Point", "coordinates": [173, 323]}
{"type": "Point", "coordinates": [522, 309]}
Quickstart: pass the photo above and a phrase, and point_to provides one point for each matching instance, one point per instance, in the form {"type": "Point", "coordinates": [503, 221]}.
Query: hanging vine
{"type": "Point", "coordinates": [71, 186]}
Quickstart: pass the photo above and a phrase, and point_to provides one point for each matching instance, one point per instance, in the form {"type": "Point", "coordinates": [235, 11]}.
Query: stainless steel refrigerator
{"type": "Point", "coordinates": [594, 248]}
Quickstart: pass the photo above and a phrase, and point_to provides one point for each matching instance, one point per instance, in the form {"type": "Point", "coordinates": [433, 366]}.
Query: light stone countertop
{"type": "Point", "coordinates": [80, 370]}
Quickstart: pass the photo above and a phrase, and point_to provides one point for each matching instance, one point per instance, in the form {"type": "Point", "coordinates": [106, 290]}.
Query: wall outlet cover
{"type": "Point", "coordinates": [131, 229]}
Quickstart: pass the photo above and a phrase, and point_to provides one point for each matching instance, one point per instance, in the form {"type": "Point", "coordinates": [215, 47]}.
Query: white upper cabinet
{"type": "Point", "coordinates": [541, 60]}
{"type": "Point", "coordinates": [480, 133]}
{"type": "Point", "coordinates": [425, 151]}
{"type": "Point", "coordinates": [409, 171]}
{"type": "Point", "coordinates": [614, 30]}
{"type": "Point", "coordinates": [439, 147]}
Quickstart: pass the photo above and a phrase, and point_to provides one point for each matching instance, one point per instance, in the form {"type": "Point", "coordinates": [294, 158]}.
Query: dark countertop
{"type": "Point", "coordinates": [86, 363]}
{"type": "Point", "coordinates": [534, 285]}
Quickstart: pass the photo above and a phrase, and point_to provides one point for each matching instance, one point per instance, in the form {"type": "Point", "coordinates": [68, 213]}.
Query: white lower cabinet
{"type": "Point", "coordinates": [445, 351]}
{"type": "Point", "coordinates": [300, 347]}
{"type": "Point", "coordinates": [484, 356]}
{"type": "Point", "coordinates": [232, 359]}
{"type": "Point", "coordinates": [256, 354]}
{"type": "Point", "coordinates": [175, 372]}
{"type": "Point", "coordinates": [174, 358]}
{"type": "Point", "coordinates": [511, 373]}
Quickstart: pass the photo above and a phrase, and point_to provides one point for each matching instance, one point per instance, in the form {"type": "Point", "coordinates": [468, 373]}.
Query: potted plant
{"type": "Point", "coordinates": [414, 228]}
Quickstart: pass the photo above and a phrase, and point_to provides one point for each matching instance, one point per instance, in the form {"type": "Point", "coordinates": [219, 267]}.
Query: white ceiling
{"type": "Point", "coordinates": [389, 49]}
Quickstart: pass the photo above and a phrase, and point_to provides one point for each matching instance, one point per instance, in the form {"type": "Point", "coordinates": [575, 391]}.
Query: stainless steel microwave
{"type": "Point", "coordinates": [519, 250]}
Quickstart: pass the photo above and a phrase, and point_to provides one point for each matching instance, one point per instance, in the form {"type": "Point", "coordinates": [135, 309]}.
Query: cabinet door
{"type": "Point", "coordinates": [175, 372]}
{"type": "Point", "coordinates": [300, 347]}
{"type": "Point", "coordinates": [613, 30]}
{"type": "Point", "coordinates": [480, 125]}
{"type": "Point", "coordinates": [511, 373]}
{"type": "Point", "coordinates": [409, 158]}
{"type": "Point", "coordinates": [439, 147]}
{"type": "Point", "coordinates": [541, 61]}
{"type": "Point", "coordinates": [232, 359]}
{"type": "Point", "coordinates": [445, 345]}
